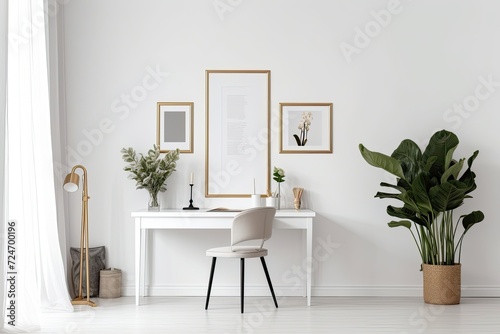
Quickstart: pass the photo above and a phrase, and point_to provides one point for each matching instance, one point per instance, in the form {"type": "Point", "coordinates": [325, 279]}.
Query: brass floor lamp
{"type": "Point", "coordinates": [71, 185]}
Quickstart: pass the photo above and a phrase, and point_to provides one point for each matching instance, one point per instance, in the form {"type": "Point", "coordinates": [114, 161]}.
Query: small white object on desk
{"type": "Point", "coordinates": [255, 198]}
{"type": "Point", "coordinates": [256, 202]}
{"type": "Point", "coordinates": [271, 201]}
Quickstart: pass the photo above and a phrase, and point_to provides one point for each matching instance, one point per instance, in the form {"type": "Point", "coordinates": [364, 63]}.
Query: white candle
{"type": "Point", "coordinates": [254, 186]}
{"type": "Point", "coordinates": [192, 177]}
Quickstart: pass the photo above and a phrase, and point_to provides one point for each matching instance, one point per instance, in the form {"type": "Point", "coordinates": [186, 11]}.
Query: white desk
{"type": "Point", "coordinates": [203, 219]}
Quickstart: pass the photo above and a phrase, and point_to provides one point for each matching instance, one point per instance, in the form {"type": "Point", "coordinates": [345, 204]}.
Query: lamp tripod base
{"type": "Point", "coordinates": [83, 301]}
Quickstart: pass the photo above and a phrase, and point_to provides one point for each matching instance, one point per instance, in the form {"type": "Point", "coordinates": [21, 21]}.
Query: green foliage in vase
{"type": "Point", "coordinates": [150, 171]}
{"type": "Point", "coordinates": [278, 175]}
{"type": "Point", "coordinates": [431, 186]}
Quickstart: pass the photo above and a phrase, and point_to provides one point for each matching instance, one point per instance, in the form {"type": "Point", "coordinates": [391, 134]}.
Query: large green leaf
{"type": "Point", "coordinates": [471, 219]}
{"type": "Point", "coordinates": [397, 187]}
{"type": "Point", "coordinates": [421, 186]}
{"type": "Point", "coordinates": [447, 196]}
{"type": "Point", "coordinates": [405, 213]}
{"type": "Point", "coordinates": [409, 156]}
{"type": "Point", "coordinates": [409, 201]}
{"type": "Point", "coordinates": [406, 197]}
{"type": "Point", "coordinates": [381, 160]}
{"type": "Point", "coordinates": [402, 183]}
{"type": "Point", "coordinates": [428, 164]}
{"type": "Point", "coordinates": [469, 176]}
{"type": "Point", "coordinates": [441, 145]}
{"type": "Point", "coordinates": [472, 158]}
{"type": "Point", "coordinates": [381, 195]}
{"type": "Point", "coordinates": [453, 170]}
{"type": "Point", "coordinates": [403, 223]}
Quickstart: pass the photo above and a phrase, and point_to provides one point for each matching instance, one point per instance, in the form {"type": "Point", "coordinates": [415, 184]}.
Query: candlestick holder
{"type": "Point", "coordinates": [191, 207]}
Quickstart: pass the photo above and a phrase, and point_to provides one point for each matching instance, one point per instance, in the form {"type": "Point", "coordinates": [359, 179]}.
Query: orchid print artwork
{"type": "Point", "coordinates": [304, 126]}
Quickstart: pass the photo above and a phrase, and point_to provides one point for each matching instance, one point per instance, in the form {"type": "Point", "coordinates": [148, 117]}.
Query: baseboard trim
{"type": "Point", "coordinates": [398, 291]}
{"type": "Point", "coordinates": [326, 291]}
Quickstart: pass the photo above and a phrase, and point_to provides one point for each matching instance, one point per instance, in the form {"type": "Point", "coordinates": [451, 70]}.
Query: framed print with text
{"type": "Point", "coordinates": [175, 126]}
{"type": "Point", "coordinates": [237, 129]}
{"type": "Point", "coordinates": [306, 127]}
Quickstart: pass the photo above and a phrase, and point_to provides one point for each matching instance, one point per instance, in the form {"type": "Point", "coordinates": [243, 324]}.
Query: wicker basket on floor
{"type": "Point", "coordinates": [110, 283]}
{"type": "Point", "coordinates": [442, 284]}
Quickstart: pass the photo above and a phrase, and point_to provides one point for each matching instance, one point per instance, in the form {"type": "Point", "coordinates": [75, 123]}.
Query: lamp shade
{"type": "Point", "coordinates": [71, 182]}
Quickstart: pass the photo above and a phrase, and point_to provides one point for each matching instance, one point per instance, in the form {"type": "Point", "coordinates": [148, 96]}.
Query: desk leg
{"type": "Point", "coordinates": [309, 241]}
{"type": "Point", "coordinates": [137, 259]}
{"type": "Point", "coordinates": [144, 260]}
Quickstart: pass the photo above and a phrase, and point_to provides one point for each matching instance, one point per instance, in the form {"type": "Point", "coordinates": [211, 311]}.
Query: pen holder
{"type": "Point", "coordinates": [271, 201]}
{"type": "Point", "coordinates": [255, 201]}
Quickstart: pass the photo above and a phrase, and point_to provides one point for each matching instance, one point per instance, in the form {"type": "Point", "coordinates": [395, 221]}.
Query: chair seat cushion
{"type": "Point", "coordinates": [237, 252]}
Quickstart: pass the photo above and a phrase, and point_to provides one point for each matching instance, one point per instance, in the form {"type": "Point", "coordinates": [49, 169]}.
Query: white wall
{"type": "Point", "coordinates": [420, 61]}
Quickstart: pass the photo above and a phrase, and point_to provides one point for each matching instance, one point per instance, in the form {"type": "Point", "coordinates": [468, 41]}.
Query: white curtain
{"type": "Point", "coordinates": [41, 279]}
{"type": "Point", "coordinates": [55, 37]}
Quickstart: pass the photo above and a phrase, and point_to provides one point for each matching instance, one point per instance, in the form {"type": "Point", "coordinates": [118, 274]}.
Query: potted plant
{"type": "Point", "coordinates": [150, 171]}
{"type": "Point", "coordinates": [278, 176]}
{"type": "Point", "coordinates": [430, 186]}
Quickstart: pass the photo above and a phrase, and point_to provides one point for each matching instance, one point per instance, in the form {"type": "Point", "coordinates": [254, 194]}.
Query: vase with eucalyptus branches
{"type": "Point", "coordinates": [150, 171]}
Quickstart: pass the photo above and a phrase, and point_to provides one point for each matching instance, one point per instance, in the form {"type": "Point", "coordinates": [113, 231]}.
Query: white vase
{"type": "Point", "coordinates": [278, 197]}
{"type": "Point", "coordinates": [255, 201]}
{"type": "Point", "coordinates": [272, 202]}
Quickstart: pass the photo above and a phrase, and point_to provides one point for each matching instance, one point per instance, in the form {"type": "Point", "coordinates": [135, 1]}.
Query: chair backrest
{"type": "Point", "coordinates": [254, 224]}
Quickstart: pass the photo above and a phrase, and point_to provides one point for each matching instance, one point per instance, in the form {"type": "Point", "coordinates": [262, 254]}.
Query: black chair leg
{"type": "Point", "coordinates": [242, 283]}
{"type": "Point", "coordinates": [269, 280]}
{"type": "Point", "coordinates": [210, 281]}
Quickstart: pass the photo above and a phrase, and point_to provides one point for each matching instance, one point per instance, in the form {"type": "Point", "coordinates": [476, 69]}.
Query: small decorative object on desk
{"type": "Point", "coordinates": [278, 176]}
{"type": "Point", "coordinates": [270, 200]}
{"type": "Point", "coordinates": [297, 197]}
{"type": "Point", "coordinates": [151, 171]}
{"type": "Point", "coordinates": [191, 206]}
{"type": "Point", "coordinates": [255, 199]}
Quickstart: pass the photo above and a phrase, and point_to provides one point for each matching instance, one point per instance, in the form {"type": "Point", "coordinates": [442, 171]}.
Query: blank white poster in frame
{"type": "Point", "coordinates": [237, 129]}
{"type": "Point", "coordinates": [306, 127]}
{"type": "Point", "coordinates": [175, 126]}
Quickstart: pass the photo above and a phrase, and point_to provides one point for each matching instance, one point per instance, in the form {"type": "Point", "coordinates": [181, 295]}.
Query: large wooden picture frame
{"type": "Point", "coordinates": [238, 134]}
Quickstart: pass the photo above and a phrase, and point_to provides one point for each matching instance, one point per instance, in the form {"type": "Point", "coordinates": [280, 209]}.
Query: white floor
{"type": "Point", "coordinates": [326, 315]}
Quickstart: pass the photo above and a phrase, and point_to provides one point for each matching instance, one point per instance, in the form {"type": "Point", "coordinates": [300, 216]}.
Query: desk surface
{"type": "Point", "coordinates": [206, 213]}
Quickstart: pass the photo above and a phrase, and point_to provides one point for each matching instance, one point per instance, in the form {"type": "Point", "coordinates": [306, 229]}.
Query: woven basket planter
{"type": "Point", "coordinates": [442, 284]}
